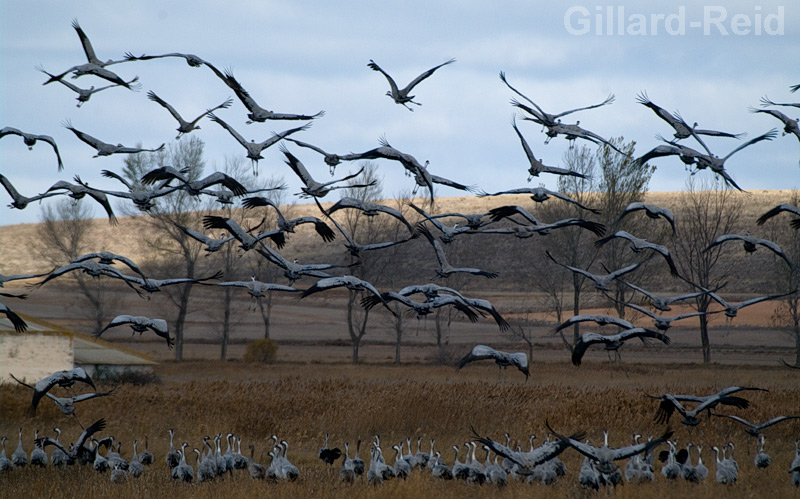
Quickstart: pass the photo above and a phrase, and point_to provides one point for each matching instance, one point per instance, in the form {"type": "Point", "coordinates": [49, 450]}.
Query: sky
{"type": "Point", "coordinates": [710, 63]}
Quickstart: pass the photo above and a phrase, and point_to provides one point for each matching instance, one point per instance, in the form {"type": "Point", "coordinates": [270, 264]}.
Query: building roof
{"type": "Point", "coordinates": [87, 349]}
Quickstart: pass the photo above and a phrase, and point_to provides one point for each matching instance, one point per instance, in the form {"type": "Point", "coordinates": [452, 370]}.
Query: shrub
{"type": "Point", "coordinates": [263, 351]}
{"type": "Point", "coordinates": [134, 377]}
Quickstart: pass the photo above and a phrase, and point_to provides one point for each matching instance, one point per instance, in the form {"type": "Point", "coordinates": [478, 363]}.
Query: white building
{"type": "Point", "coordinates": [46, 348]}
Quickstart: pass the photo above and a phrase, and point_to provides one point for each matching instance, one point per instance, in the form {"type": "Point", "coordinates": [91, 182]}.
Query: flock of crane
{"type": "Point", "coordinates": [502, 461]}
{"type": "Point", "coordinates": [165, 180]}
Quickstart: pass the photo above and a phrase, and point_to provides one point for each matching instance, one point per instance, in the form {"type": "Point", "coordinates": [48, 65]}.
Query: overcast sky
{"type": "Point", "coordinates": [708, 62]}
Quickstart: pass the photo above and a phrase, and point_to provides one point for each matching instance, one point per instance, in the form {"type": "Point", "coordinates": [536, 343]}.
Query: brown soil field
{"type": "Point", "coordinates": [300, 402]}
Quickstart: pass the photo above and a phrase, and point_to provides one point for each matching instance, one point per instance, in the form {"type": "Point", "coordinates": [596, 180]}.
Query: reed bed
{"type": "Point", "coordinates": [302, 402]}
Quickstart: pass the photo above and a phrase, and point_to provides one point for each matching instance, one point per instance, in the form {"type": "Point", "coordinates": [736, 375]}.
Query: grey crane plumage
{"type": "Point", "coordinates": [613, 342]}
{"type": "Point", "coordinates": [19, 457]}
{"type": "Point", "coordinates": [540, 115]}
{"type": "Point", "coordinates": [422, 308]}
{"type": "Point", "coordinates": [681, 127]}
{"type": "Point", "coordinates": [88, 49]}
{"type": "Point", "coordinates": [400, 95]}
{"type": "Point", "coordinates": [521, 230]}
{"type": "Point", "coordinates": [540, 194]}
{"type": "Point", "coordinates": [790, 125]}
{"type": "Point", "coordinates": [65, 404]}
{"type": "Point", "coordinates": [183, 472]}
{"type": "Point", "coordinates": [663, 322]}
{"type": "Point", "coordinates": [257, 113]}
{"type": "Point", "coordinates": [346, 281]}
{"type": "Point", "coordinates": [142, 197]}
{"type": "Point", "coordinates": [145, 457]}
{"type": "Point", "coordinates": [445, 269]}
{"type": "Point", "coordinates": [422, 177]}
{"type": "Point", "coordinates": [652, 211]}
{"type": "Point", "coordinates": [448, 232]}
{"type": "Point", "coordinates": [96, 70]}
{"type": "Point", "coordinates": [755, 429]}
{"type": "Point", "coordinates": [638, 244]}
{"type": "Point", "coordinates": [762, 459]}
{"type": "Point", "coordinates": [501, 358]}
{"type": "Point", "coordinates": [78, 451]}
{"type": "Point", "coordinates": [109, 258]}
{"type": "Point", "coordinates": [766, 102]}
{"type": "Point", "coordinates": [536, 167]}
{"type": "Point", "coordinates": [572, 132]}
{"type": "Point", "coordinates": [18, 322]}
{"type": "Point", "coordinates": [671, 403]}
{"type": "Point", "coordinates": [686, 154]}
{"type": "Point", "coordinates": [604, 456]}
{"type": "Point", "coordinates": [731, 309]}
{"type": "Point", "coordinates": [440, 469]}
{"type": "Point", "coordinates": [599, 319]}
{"type": "Point", "coordinates": [38, 455]}
{"type": "Point", "coordinates": [91, 267]}
{"type": "Point", "coordinates": [433, 291]}
{"type": "Point", "coordinates": [368, 208]}
{"type": "Point", "coordinates": [750, 244]}
{"type": "Point", "coordinates": [254, 148]}
{"type": "Point", "coordinates": [93, 65]}
{"type": "Point", "coordinates": [348, 472]}
{"type": "Point", "coordinates": [84, 94]}
{"type": "Point", "coordinates": [103, 148]}
{"type": "Point", "coordinates": [173, 457]}
{"type": "Point", "coordinates": [247, 240]}
{"type": "Point", "coordinates": [288, 225]}
{"type": "Point", "coordinates": [662, 302]}
{"type": "Point", "coordinates": [80, 190]}
{"type": "Point", "coordinates": [601, 282]}
{"type": "Point", "coordinates": [717, 164]}
{"type": "Point", "coordinates": [165, 174]}
{"type": "Point", "coordinates": [30, 139]}
{"type": "Point", "coordinates": [355, 249]}
{"type": "Point", "coordinates": [472, 220]}
{"type": "Point", "coordinates": [140, 324]}
{"type": "Point", "coordinates": [532, 458]}
{"type": "Point", "coordinates": [19, 201]}
{"type": "Point", "coordinates": [5, 462]}
{"type": "Point", "coordinates": [294, 270]}
{"type": "Point", "coordinates": [319, 189]}
{"type": "Point", "coordinates": [151, 285]}
{"type": "Point", "coordinates": [332, 160]}
{"type": "Point", "coordinates": [794, 467]}
{"type": "Point", "coordinates": [191, 59]}
{"type": "Point", "coordinates": [183, 125]}
{"type": "Point", "coordinates": [256, 289]}
{"type": "Point", "coordinates": [726, 473]}
{"type": "Point", "coordinates": [779, 209]}
{"type": "Point", "coordinates": [211, 243]}
{"type": "Point", "coordinates": [64, 379]}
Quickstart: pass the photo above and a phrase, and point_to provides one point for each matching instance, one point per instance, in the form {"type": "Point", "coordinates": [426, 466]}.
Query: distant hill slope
{"type": "Point", "coordinates": [495, 253]}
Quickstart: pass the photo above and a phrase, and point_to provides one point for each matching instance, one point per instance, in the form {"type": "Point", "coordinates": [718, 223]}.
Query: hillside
{"type": "Point", "coordinates": [321, 320]}
{"type": "Point", "coordinates": [17, 241]}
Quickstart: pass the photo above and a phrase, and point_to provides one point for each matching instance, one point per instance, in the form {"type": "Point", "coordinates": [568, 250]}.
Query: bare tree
{"type": "Point", "coordinates": [365, 230]}
{"type": "Point", "coordinates": [165, 240]}
{"type": "Point", "coordinates": [707, 210]}
{"type": "Point", "coordinates": [261, 268]}
{"type": "Point", "coordinates": [571, 243]}
{"type": "Point", "coordinates": [623, 182]}
{"type": "Point", "coordinates": [228, 259]}
{"type": "Point", "coordinates": [787, 278]}
{"type": "Point", "coordinates": [63, 235]}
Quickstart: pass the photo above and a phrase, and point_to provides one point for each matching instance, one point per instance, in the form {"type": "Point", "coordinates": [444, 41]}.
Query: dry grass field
{"type": "Point", "coordinates": [300, 402]}
{"type": "Point", "coordinates": [312, 389]}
